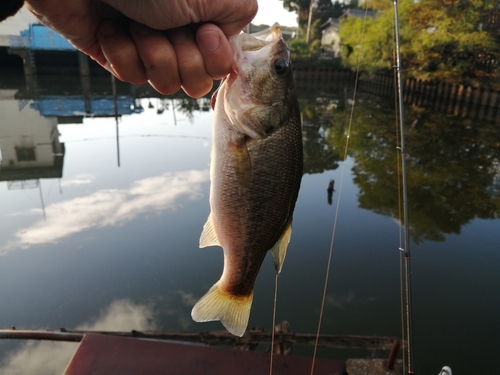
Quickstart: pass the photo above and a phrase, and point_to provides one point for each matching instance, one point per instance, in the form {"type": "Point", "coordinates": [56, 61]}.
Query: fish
{"type": "Point", "coordinates": [255, 173]}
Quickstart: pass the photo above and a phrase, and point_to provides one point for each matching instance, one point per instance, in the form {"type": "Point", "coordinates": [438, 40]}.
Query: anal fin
{"type": "Point", "coordinates": [208, 236]}
{"type": "Point", "coordinates": [279, 249]}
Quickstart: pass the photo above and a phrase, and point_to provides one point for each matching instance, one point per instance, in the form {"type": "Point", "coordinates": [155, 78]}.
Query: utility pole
{"type": "Point", "coordinates": [298, 16]}
{"type": "Point", "coordinates": [311, 4]}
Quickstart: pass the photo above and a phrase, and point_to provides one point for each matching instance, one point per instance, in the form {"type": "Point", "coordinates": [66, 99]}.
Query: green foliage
{"type": "Point", "coordinates": [321, 12]}
{"type": "Point", "coordinates": [440, 39]}
{"type": "Point", "coordinates": [367, 43]}
{"type": "Point", "coordinates": [376, 4]}
{"type": "Point", "coordinates": [300, 49]}
{"type": "Point", "coordinates": [323, 9]}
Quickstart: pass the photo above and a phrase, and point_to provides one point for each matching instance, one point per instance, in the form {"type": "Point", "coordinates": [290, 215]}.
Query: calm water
{"type": "Point", "coordinates": [100, 222]}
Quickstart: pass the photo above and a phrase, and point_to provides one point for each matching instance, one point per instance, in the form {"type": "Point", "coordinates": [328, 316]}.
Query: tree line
{"type": "Point", "coordinates": [446, 40]}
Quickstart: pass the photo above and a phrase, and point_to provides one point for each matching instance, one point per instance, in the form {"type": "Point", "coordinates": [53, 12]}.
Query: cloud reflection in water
{"type": "Point", "coordinates": [110, 207]}
{"type": "Point", "coordinates": [80, 179]}
{"type": "Point", "coordinates": [51, 358]}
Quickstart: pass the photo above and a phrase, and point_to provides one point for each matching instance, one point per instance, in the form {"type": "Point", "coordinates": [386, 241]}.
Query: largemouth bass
{"type": "Point", "coordinates": [255, 173]}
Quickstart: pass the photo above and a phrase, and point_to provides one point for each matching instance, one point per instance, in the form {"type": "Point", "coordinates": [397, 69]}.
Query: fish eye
{"type": "Point", "coordinates": [281, 67]}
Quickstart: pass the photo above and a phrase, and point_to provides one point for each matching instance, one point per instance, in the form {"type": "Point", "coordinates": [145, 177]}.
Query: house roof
{"type": "Point", "coordinates": [357, 13]}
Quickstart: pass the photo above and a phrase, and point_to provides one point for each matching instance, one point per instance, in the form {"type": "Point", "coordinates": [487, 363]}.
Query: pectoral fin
{"type": "Point", "coordinates": [278, 251]}
{"type": "Point", "coordinates": [242, 163]}
{"type": "Point", "coordinates": [208, 236]}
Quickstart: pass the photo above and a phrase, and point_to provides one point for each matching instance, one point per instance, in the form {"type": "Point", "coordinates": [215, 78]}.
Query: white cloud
{"type": "Point", "coordinates": [51, 358]}
{"type": "Point", "coordinates": [109, 207]}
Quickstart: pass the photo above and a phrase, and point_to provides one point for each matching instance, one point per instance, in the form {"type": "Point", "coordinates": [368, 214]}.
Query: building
{"type": "Point", "coordinates": [29, 143]}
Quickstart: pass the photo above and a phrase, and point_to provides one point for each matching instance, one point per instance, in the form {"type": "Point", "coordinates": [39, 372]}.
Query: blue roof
{"type": "Point", "coordinates": [53, 105]}
{"type": "Point", "coordinates": [40, 37]}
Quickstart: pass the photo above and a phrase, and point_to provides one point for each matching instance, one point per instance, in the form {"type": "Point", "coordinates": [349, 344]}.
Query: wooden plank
{"type": "Point", "coordinates": [104, 355]}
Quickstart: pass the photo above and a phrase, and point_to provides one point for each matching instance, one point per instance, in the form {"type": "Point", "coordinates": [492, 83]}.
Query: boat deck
{"type": "Point", "coordinates": [102, 354]}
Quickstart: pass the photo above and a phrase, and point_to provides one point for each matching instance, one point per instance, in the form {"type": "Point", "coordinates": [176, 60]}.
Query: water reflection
{"type": "Point", "coordinates": [34, 106]}
{"type": "Point", "coordinates": [154, 260]}
{"type": "Point", "coordinates": [329, 191]}
{"type": "Point", "coordinates": [108, 207]}
{"type": "Point", "coordinates": [29, 144]}
{"type": "Point", "coordinates": [51, 358]}
{"type": "Point", "coordinates": [453, 164]}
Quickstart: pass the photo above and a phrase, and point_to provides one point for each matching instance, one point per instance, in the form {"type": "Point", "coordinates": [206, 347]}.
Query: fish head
{"type": "Point", "coordinates": [260, 89]}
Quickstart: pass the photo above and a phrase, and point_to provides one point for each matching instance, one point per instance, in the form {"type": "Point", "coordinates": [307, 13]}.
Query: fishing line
{"type": "Point", "coordinates": [342, 173]}
{"type": "Point", "coordinates": [274, 323]}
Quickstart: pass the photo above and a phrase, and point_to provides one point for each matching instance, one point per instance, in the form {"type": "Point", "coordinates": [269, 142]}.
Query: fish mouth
{"type": "Point", "coordinates": [253, 43]}
{"type": "Point", "coordinates": [256, 41]}
{"type": "Point", "coordinates": [271, 34]}
{"type": "Point", "coordinates": [252, 63]}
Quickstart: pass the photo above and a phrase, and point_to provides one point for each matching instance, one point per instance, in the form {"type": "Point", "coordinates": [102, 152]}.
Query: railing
{"type": "Point", "coordinates": [452, 99]}
{"type": "Point", "coordinates": [322, 77]}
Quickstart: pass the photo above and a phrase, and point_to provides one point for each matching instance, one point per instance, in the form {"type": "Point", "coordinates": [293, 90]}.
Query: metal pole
{"type": "Point", "coordinates": [213, 337]}
{"type": "Point", "coordinates": [41, 198]}
{"type": "Point", "coordinates": [406, 249]}
{"type": "Point", "coordinates": [309, 20]}
{"type": "Point", "coordinates": [115, 102]}
{"type": "Point", "coordinates": [298, 16]}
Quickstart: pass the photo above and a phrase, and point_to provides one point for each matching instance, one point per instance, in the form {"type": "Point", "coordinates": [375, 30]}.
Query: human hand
{"type": "Point", "coordinates": [139, 51]}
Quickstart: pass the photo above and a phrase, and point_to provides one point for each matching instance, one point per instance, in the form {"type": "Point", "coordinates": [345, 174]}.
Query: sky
{"type": "Point", "coordinates": [271, 11]}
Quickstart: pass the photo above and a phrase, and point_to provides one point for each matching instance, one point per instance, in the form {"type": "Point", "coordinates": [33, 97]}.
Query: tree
{"type": "Point", "coordinates": [322, 10]}
{"type": "Point", "coordinates": [367, 43]}
{"type": "Point", "coordinates": [449, 40]}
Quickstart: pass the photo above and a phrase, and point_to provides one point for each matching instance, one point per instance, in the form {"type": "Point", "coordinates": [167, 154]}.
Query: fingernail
{"type": "Point", "coordinates": [178, 35]}
{"type": "Point", "coordinates": [141, 29]}
{"type": "Point", "coordinates": [209, 40]}
{"type": "Point", "coordinates": [106, 28]}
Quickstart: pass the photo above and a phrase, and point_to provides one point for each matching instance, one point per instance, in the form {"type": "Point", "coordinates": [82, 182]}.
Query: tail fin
{"type": "Point", "coordinates": [232, 311]}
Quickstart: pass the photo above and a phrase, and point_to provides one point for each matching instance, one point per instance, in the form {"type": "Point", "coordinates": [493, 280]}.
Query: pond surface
{"type": "Point", "coordinates": [100, 222]}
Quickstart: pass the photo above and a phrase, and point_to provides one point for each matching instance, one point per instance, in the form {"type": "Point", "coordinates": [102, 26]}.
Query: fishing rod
{"type": "Point", "coordinates": [405, 250]}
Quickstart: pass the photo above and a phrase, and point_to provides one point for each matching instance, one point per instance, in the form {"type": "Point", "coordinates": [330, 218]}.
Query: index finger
{"type": "Point", "coordinates": [230, 15]}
